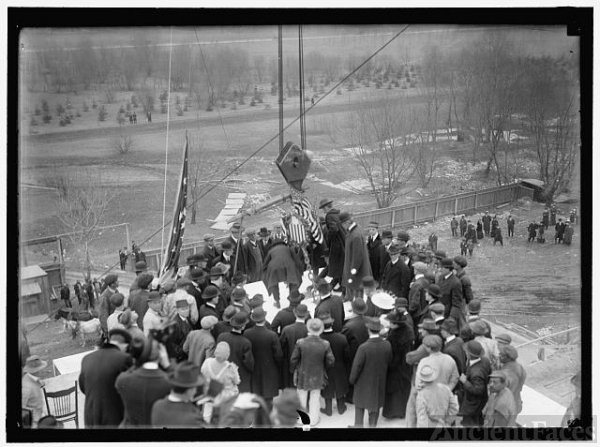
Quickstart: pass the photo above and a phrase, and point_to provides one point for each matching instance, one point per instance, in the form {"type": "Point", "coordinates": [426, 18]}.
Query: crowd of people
{"type": "Point", "coordinates": [396, 332]}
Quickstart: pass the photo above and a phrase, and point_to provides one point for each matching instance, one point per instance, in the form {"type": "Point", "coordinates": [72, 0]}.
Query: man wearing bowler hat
{"type": "Point", "coordinates": [335, 238]}
{"type": "Point", "coordinates": [427, 327]}
{"type": "Point", "coordinates": [288, 338]}
{"type": "Point", "coordinates": [337, 375]}
{"type": "Point", "coordinates": [241, 350]}
{"type": "Point", "coordinates": [452, 292]}
{"type": "Point", "coordinates": [369, 375]}
{"type": "Point", "coordinates": [178, 410]}
{"type": "Point", "coordinates": [331, 304]}
{"type": "Point", "coordinates": [210, 250]}
{"type": "Point", "coordinates": [267, 357]}
{"type": "Point", "coordinates": [138, 299]}
{"type": "Point", "coordinates": [490, 347]}
{"type": "Point", "coordinates": [474, 383]}
{"type": "Point", "coordinates": [356, 257]}
{"type": "Point", "coordinates": [181, 329]}
{"type": "Point", "coordinates": [286, 316]}
{"type": "Point", "coordinates": [311, 357]}
{"type": "Point", "coordinates": [369, 289]}
{"type": "Point", "coordinates": [225, 324]}
{"type": "Point", "coordinates": [265, 241]}
{"type": "Point", "coordinates": [211, 298]}
{"type": "Point", "coordinates": [99, 371]}
{"type": "Point", "coordinates": [396, 274]}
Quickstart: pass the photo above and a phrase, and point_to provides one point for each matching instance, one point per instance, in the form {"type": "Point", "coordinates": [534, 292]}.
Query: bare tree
{"type": "Point", "coordinates": [379, 135]}
{"type": "Point", "coordinates": [550, 115]}
{"type": "Point", "coordinates": [122, 143]}
{"type": "Point", "coordinates": [260, 67]}
{"type": "Point", "coordinates": [82, 202]}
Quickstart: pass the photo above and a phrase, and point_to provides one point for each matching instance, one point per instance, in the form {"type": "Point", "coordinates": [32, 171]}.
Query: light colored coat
{"type": "Point", "coordinates": [436, 406]}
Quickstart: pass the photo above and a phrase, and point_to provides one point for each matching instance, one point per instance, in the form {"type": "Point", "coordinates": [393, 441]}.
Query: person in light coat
{"type": "Point", "coordinates": [436, 405]}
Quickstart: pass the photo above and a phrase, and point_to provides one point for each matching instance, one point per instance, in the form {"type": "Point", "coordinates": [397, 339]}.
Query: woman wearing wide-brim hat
{"type": "Point", "coordinates": [32, 397]}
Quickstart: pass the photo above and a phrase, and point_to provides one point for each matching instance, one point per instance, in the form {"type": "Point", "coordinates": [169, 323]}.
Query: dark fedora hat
{"type": "Point", "coordinates": [368, 281]}
{"type": "Point", "coordinates": [229, 313]}
{"type": "Point", "coordinates": [439, 254]}
{"type": "Point", "coordinates": [258, 315]}
{"type": "Point", "coordinates": [324, 202]}
{"type": "Point", "coordinates": [401, 302]}
{"type": "Point", "coordinates": [359, 307]}
{"type": "Point", "coordinates": [447, 263]}
{"type": "Point", "coordinates": [474, 348]}
{"type": "Point", "coordinates": [396, 318]}
{"type": "Point", "coordinates": [449, 325]}
{"type": "Point", "coordinates": [239, 319]}
{"type": "Point", "coordinates": [387, 234]}
{"type": "Point", "coordinates": [238, 294]}
{"type": "Point", "coordinates": [186, 375]}
{"type": "Point", "coordinates": [198, 274]}
{"type": "Point", "coordinates": [403, 236]}
{"type": "Point", "coordinates": [264, 232]}
{"type": "Point", "coordinates": [301, 311]}
{"type": "Point", "coordinates": [120, 333]}
{"type": "Point", "coordinates": [428, 325]}
{"type": "Point", "coordinates": [210, 292]}
{"type": "Point", "coordinates": [323, 286]}
{"type": "Point", "coordinates": [344, 216]}
{"type": "Point", "coordinates": [226, 245]}
{"type": "Point", "coordinates": [394, 250]}
{"type": "Point", "coordinates": [110, 279]}
{"type": "Point", "coordinates": [144, 280]}
{"type": "Point", "coordinates": [461, 260]}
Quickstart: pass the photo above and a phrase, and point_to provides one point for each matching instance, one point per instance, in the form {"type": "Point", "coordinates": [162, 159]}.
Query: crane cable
{"type": "Point", "coordinates": [162, 235]}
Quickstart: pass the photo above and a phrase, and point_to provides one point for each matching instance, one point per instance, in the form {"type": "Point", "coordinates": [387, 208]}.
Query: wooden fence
{"type": "Point", "coordinates": [398, 216]}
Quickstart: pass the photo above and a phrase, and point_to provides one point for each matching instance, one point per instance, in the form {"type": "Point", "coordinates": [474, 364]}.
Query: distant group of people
{"type": "Point", "coordinates": [563, 231]}
{"type": "Point", "coordinates": [136, 254]}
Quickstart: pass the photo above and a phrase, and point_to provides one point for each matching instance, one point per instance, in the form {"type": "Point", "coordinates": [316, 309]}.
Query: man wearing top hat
{"type": "Point", "coordinates": [369, 375]}
{"type": "Point", "coordinates": [268, 356]}
{"type": "Point", "coordinates": [265, 241]}
{"type": "Point", "coordinates": [32, 397]}
{"type": "Point", "coordinates": [337, 375]}
{"type": "Point", "coordinates": [383, 255]}
{"type": "Point", "coordinates": [396, 274]}
{"type": "Point", "coordinates": [99, 371]}
{"type": "Point", "coordinates": [373, 244]}
{"type": "Point", "coordinates": [474, 382]}
{"type": "Point", "coordinates": [252, 257]}
{"type": "Point", "coordinates": [240, 350]}
{"type": "Point", "coordinates": [286, 316]}
{"type": "Point", "coordinates": [311, 357]}
{"type": "Point", "coordinates": [356, 257]}
{"type": "Point", "coordinates": [500, 409]}
{"type": "Point", "coordinates": [331, 304]}
{"type": "Point", "coordinates": [210, 250]}
{"type": "Point", "coordinates": [177, 410]}
{"type": "Point", "coordinates": [452, 292]}
{"type": "Point", "coordinates": [288, 338]}
{"type": "Point", "coordinates": [335, 238]}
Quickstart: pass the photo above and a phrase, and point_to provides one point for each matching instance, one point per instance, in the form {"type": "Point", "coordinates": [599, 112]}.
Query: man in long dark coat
{"type": "Point", "coordinates": [474, 383]}
{"type": "Point", "coordinates": [252, 257]}
{"type": "Point", "coordinates": [240, 350]}
{"type": "Point", "coordinates": [510, 223]}
{"type": "Point", "coordinates": [460, 263]}
{"type": "Point", "coordinates": [454, 347]}
{"type": "Point", "coordinates": [268, 356]}
{"type": "Point", "coordinates": [369, 375]}
{"type": "Point", "coordinates": [65, 295]}
{"type": "Point", "coordinates": [265, 241]}
{"type": "Point", "coordinates": [487, 220]}
{"type": "Point", "coordinates": [288, 338]}
{"type": "Point", "coordinates": [373, 243]}
{"type": "Point", "coordinates": [560, 231]}
{"type": "Point", "coordinates": [356, 257]}
{"type": "Point", "coordinates": [282, 264]}
{"type": "Point", "coordinates": [330, 304]}
{"type": "Point", "coordinates": [452, 292]}
{"type": "Point", "coordinates": [104, 306]}
{"type": "Point", "coordinates": [356, 332]}
{"type": "Point", "coordinates": [397, 389]}
{"type": "Point", "coordinates": [138, 299]}
{"type": "Point", "coordinates": [396, 275]}
{"type": "Point", "coordinates": [416, 295]}
{"type": "Point", "coordinates": [383, 254]}
{"type": "Point", "coordinates": [337, 375]}
{"type": "Point", "coordinates": [463, 225]}
{"type": "Point", "coordinates": [335, 240]}
{"type": "Point", "coordinates": [267, 353]}
{"type": "Point", "coordinates": [99, 371]}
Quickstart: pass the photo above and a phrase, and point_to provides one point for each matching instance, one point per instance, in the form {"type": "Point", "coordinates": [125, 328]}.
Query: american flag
{"type": "Point", "coordinates": [171, 255]}
{"type": "Point", "coordinates": [304, 209]}
{"type": "Point", "coordinates": [296, 230]}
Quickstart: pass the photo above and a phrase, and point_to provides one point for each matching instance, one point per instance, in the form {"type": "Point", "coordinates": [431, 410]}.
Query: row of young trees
{"type": "Point", "coordinates": [483, 93]}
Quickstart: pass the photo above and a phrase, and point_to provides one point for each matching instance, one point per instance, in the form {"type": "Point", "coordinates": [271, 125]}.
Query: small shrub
{"type": "Point", "coordinates": [37, 112]}
{"type": "Point", "coordinates": [121, 109]}
{"type": "Point", "coordinates": [102, 113]}
{"type": "Point", "coordinates": [163, 96]}
{"type": "Point", "coordinates": [252, 103]}
{"type": "Point", "coordinates": [94, 105]}
{"type": "Point", "coordinates": [85, 106]}
{"type": "Point", "coordinates": [179, 111]}
{"type": "Point", "coordinates": [33, 121]}
{"type": "Point", "coordinates": [59, 109]}
{"type": "Point", "coordinates": [45, 107]}
{"type": "Point", "coordinates": [47, 118]}
{"type": "Point", "coordinates": [62, 123]}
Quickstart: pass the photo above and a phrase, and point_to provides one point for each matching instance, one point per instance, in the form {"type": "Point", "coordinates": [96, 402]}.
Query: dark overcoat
{"type": "Point", "coordinates": [337, 375]}
{"type": "Point", "coordinates": [384, 258]}
{"type": "Point", "coordinates": [265, 246]}
{"type": "Point", "coordinates": [373, 246]}
{"type": "Point", "coordinates": [99, 371]}
{"type": "Point", "coordinates": [396, 279]}
{"type": "Point", "coordinates": [210, 253]}
{"type": "Point", "coordinates": [397, 387]}
{"type": "Point", "coordinates": [138, 301]}
{"type": "Point", "coordinates": [475, 393]}
{"type": "Point", "coordinates": [335, 306]}
{"type": "Point", "coordinates": [310, 358]}
{"type": "Point", "coordinates": [139, 388]}
{"type": "Point", "coordinates": [369, 373]}
{"type": "Point", "coordinates": [455, 349]}
{"type": "Point", "coordinates": [335, 238]}
{"type": "Point", "coordinates": [283, 318]}
{"type": "Point", "coordinates": [356, 257]}
{"type": "Point", "coordinates": [452, 297]}
{"type": "Point", "coordinates": [467, 287]}
{"type": "Point", "coordinates": [168, 414]}
{"type": "Point", "coordinates": [288, 338]}
{"type": "Point", "coordinates": [241, 354]}
{"type": "Point", "coordinates": [356, 333]}
{"type": "Point", "coordinates": [416, 299]}
{"type": "Point", "coordinates": [282, 264]}
{"type": "Point", "coordinates": [266, 350]}
{"type": "Point", "coordinates": [254, 261]}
